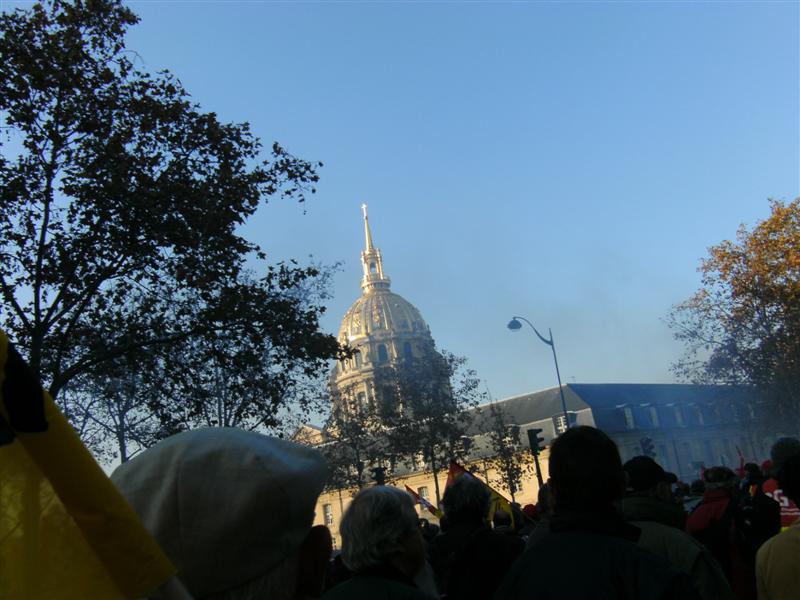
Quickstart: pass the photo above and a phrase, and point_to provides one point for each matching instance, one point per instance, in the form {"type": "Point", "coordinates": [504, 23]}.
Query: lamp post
{"type": "Point", "coordinates": [515, 325]}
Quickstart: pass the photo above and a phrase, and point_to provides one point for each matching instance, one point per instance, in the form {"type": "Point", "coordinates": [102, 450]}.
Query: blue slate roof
{"type": "Point", "coordinates": [693, 405]}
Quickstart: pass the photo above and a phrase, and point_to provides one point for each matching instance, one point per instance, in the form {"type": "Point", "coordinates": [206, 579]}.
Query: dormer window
{"type": "Point", "coordinates": [628, 414]}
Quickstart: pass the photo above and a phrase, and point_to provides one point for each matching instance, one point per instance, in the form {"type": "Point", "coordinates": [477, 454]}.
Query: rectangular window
{"type": "Point", "coordinates": [629, 421]}
{"type": "Point", "coordinates": [687, 451]}
{"type": "Point", "coordinates": [423, 493]}
{"type": "Point", "coordinates": [679, 416]}
{"type": "Point", "coordinates": [698, 413]}
{"type": "Point", "coordinates": [709, 452]}
{"type": "Point", "coordinates": [654, 416]}
{"type": "Point", "coordinates": [327, 513]}
{"type": "Point", "coordinates": [727, 452]}
{"type": "Point", "coordinates": [663, 457]}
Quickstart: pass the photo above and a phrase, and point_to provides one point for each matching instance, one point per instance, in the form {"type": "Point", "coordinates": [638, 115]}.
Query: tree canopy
{"type": "Point", "coordinates": [121, 203]}
{"type": "Point", "coordinates": [743, 324]}
{"type": "Point", "coordinates": [510, 457]}
{"type": "Point", "coordinates": [430, 402]}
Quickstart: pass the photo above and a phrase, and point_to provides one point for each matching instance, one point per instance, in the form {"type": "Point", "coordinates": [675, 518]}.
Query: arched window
{"type": "Point", "coordinates": [373, 268]}
{"type": "Point", "coordinates": [407, 351]}
{"type": "Point", "coordinates": [383, 355]}
{"type": "Point", "coordinates": [362, 400]}
{"type": "Point", "coordinates": [357, 358]}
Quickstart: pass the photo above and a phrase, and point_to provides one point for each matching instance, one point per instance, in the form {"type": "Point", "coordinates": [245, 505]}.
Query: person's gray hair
{"type": "Point", "coordinates": [373, 525]}
{"type": "Point", "coordinates": [466, 499]}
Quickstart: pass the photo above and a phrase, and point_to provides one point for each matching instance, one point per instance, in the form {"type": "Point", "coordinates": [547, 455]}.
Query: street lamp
{"type": "Point", "coordinates": [515, 325]}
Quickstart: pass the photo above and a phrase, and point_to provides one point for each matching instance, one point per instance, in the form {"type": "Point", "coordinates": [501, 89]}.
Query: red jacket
{"type": "Point", "coordinates": [711, 509]}
{"type": "Point", "coordinates": [711, 525]}
{"type": "Point", "coordinates": [789, 511]}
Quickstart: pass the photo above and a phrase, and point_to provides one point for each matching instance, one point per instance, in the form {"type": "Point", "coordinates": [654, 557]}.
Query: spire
{"type": "Point", "coordinates": [367, 233]}
{"type": "Point", "coordinates": [371, 261]}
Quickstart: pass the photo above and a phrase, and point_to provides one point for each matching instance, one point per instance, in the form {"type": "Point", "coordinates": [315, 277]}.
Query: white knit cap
{"type": "Point", "coordinates": [226, 505]}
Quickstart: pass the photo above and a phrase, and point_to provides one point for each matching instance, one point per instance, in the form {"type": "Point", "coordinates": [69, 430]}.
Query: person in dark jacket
{"type": "Point", "coordinates": [383, 547]}
{"type": "Point", "coordinates": [733, 527]}
{"type": "Point", "coordinates": [469, 558]}
{"type": "Point", "coordinates": [645, 505]}
{"type": "Point", "coordinates": [589, 550]}
{"type": "Point", "coordinates": [648, 496]}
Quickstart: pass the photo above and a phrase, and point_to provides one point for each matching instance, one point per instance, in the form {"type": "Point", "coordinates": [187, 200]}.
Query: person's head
{"type": "Point", "coordinates": [782, 450]}
{"type": "Point", "coordinates": [466, 500]}
{"type": "Point", "coordinates": [530, 511]}
{"type": "Point", "coordinates": [381, 527]}
{"type": "Point", "coordinates": [501, 518]}
{"type": "Point", "coordinates": [753, 473]}
{"type": "Point", "coordinates": [720, 478]}
{"type": "Point", "coordinates": [646, 477]}
{"type": "Point", "coordinates": [681, 490]}
{"type": "Point", "coordinates": [789, 478]}
{"type": "Point", "coordinates": [233, 510]}
{"type": "Point", "coordinates": [585, 471]}
{"type": "Point", "coordinates": [429, 530]}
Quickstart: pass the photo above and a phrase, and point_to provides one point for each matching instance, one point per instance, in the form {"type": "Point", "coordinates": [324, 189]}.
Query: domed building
{"type": "Point", "coordinates": [383, 328]}
{"type": "Point", "coordinates": [686, 425]}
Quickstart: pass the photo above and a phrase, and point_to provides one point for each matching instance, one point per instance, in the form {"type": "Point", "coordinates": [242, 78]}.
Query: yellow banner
{"type": "Point", "coordinates": [496, 500]}
{"type": "Point", "coordinates": [65, 530]}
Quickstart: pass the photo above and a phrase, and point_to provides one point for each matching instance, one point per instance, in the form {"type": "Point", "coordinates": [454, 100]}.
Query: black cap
{"type": "Point", "coordinates": [644, 473]}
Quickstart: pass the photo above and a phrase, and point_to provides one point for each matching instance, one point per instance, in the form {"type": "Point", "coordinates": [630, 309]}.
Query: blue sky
{"type": "Point", "coordinates": [568, 162]}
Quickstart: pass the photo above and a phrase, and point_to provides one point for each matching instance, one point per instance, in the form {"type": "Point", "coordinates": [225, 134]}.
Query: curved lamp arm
{"type": "Point", "coordinates": [512, 325]}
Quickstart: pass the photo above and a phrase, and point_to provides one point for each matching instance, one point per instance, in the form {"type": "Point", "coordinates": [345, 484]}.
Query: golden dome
{"type": "Point", "coordinates": [382, 326]}
{"type": "Point", "coordinates": [380, 312]}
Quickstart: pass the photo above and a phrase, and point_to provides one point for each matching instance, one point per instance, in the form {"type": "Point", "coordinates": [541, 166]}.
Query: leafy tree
{"type": "Point", "coordinates": [114, 408]}
{"type": "Point", "coordinates": [249, 366]}
{"type": "Point", "coordinates": [427, 402]}
{"type": "Point", "coordinates": [743, 325]}
{"type": "Point", "coordinates": [509, 456]}
{"type": "Point", "coordinates": [355, 438]}
{"type": "Point", "coordinates": [120, 203]}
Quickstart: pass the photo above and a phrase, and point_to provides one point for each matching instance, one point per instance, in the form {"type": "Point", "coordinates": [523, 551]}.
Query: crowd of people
{"type": "Point", "coordinates": [234, 511]}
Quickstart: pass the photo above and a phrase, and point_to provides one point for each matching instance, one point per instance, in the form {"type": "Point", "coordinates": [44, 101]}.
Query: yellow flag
{"type": "Point", "coordinates": [65, 530]}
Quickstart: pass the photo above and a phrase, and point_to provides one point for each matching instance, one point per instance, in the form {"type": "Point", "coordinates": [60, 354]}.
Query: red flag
{"type": "Point", "coordinates": [423, 502]}
{"type": "Point", "coordinates": [454, 472]}
{"type": "Point", "coordinates": [740, 470]}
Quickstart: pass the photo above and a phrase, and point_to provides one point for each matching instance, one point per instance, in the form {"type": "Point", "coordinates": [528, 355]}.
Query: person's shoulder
{"type": "Point", "coordinates": [667, 533]}
{"type": "Point", "coordinates": [610, 561]}
{"type": "Point", "coordinates": [500, 538]}
{"type": "Point", "coordinates": [374, 588]}
{"type": "Point", "coordinates": [785, 541]}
